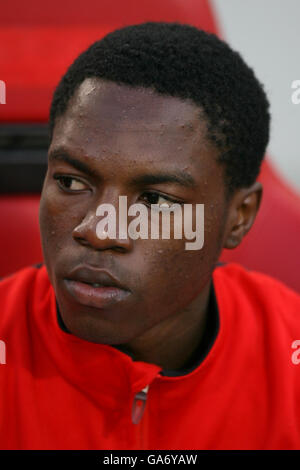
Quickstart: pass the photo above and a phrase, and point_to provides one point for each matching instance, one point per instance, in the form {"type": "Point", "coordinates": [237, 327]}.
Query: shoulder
{"type": "Point", "coordinates": [257, 295]}
{"type": "Point", "coordinates": [260, 326]}
{"type": "Point", "coordinates": [253, 283]}
{"type": "Point", "coordinates": [19, 279]}
{"type": "Point", "coordinates": [20, 290]}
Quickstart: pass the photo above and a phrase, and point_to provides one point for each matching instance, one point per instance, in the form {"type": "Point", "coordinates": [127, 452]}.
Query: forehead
{"type": "Point", "coordinates": [109, 103]}
{"type": "Point", "coordinates": [137, 124]}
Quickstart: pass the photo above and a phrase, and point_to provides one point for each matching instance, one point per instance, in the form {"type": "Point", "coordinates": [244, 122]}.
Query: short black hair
{"type": "Point", "coordinates": [182, 61]}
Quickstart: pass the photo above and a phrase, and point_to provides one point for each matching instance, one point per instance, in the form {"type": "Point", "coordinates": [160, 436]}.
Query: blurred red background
{"type": "Point", "coordinates": [38, 42]}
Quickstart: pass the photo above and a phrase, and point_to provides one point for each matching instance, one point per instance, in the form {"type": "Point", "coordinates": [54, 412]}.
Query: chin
{"type": "Point", "coordinates": [99, 331]}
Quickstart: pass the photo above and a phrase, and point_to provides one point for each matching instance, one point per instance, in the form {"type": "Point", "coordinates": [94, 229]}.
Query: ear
{"type": "Point", "coordinates": [243, 208]}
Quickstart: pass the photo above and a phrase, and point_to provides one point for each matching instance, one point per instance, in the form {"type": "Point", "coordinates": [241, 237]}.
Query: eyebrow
{"type": "Point", "coordinates": [179, 177]}
{"type": "Point", "coordinates": [58, 155]}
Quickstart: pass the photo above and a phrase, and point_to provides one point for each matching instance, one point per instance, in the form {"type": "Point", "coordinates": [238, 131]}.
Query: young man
{"type": "Point", "coordinates": [132, 343]}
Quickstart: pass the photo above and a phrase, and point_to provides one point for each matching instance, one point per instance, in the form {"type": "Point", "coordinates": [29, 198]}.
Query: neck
{"type": "Point", "coordinates": [172, 343]}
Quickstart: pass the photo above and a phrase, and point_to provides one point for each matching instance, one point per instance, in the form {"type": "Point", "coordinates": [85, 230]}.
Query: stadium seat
{"type": "Point", "coordinates": [40, 42]}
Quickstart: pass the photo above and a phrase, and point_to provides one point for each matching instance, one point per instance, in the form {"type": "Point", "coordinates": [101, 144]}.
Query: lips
{"type": "Point", "coordinates": [95, 287]}
{"type": "Point", "coordinates": [92, 276]}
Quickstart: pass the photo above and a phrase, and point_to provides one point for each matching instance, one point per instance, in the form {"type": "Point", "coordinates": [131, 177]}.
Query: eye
{"type": "Point", "coordinates": [156, 198]}
{"type": "Point", "coordinates": [69, 183]}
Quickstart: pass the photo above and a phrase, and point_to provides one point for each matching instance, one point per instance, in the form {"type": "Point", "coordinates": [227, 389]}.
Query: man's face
{"type": "Point", "coordinates": [122, 136]}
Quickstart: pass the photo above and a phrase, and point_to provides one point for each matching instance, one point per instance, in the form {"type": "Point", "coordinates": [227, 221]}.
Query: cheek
{"type": "Point", "coordinates": [56, 222]}
{"type": "Point", "coordinates": [171, 276]}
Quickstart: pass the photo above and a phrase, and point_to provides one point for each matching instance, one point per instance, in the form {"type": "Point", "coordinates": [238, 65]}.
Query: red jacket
{"type": "Point", "coordinates": [58, 391]}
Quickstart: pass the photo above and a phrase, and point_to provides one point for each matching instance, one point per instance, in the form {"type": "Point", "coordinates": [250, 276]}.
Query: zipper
{"type": "Point", "coordinates": [137, 413]}
{"type": "Point", "coordinates": [138, 405]}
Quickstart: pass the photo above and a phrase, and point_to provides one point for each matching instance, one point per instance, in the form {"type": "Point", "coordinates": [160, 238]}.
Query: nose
{"type": "Point", "coordinates": [99, 229]}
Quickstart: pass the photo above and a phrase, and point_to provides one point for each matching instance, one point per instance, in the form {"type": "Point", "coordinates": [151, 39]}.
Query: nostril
{"type": "Point", "coordinates": [86, 235]}
{"type": "Point", "coordinates": [81, 240]}
{"type": "Point", "coordinates": [120, 249]}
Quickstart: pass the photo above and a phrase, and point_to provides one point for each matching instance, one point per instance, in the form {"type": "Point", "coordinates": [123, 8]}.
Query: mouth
{"type": "Point", "coordinates": [95, 288]}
